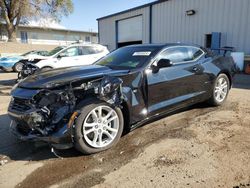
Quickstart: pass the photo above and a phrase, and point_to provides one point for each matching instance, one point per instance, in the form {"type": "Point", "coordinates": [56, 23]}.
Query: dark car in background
{"type": "Point", "coordinates": [89, 107]}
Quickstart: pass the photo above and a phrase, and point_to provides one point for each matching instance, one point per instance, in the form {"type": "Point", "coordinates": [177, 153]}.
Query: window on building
{"type": "Point", "coordinates": [74, 38]}
{"type": "Point", "coordinates": [34, 35]}
{"type": "Point", "coordinates": [59, 37]}
{"type": "Point", "coordinates": [87, 39]}
{"type": "Point", "coordinates": [24, 37]}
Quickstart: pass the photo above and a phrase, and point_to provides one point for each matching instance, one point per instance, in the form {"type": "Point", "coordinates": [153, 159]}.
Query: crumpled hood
{"type": "Point", "coordinates": [63, 76]}
{"type": "Point", "coordinates": [35, 56]}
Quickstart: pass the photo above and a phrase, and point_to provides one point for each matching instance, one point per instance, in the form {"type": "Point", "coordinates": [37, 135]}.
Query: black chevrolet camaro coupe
{"type": "Point", "coordinates": [89, 107]}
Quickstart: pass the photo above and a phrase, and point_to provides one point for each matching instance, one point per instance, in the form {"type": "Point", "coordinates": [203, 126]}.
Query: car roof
{"type": "Point", "coordinates": [164, 45]}
{"type": "Point", "coordinates": [86, 44]}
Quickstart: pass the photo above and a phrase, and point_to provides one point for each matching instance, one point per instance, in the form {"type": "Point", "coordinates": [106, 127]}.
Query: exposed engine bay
{"type": "Point", "coordinates": [51, 109]}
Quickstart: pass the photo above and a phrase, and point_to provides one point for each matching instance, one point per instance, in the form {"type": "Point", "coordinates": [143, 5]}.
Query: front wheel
{"type": "Point", "coordinates": [98, 128]}
{"type": "Point", "coordinates": [220, 90]}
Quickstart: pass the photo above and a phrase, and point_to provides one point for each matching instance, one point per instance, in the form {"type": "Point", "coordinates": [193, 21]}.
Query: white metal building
{"type": "Point", "coordinates": [210, 23]}
{"type": "Point", "coordinates": [49, 36]}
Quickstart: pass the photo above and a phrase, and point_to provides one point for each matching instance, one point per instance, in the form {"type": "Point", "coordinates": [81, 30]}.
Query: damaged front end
{"type": "Point", "coordinates": [43, 116]}
{"type": "Point", "coordinates": [27, 70]}
{"type": "Point", "coordinates": [49, 114]}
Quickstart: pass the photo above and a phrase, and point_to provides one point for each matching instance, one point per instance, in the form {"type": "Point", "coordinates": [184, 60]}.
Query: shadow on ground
{"type": "Point", "coordinates": [16, 150]}
{"type": "Point", "coordinates": [9, 83]}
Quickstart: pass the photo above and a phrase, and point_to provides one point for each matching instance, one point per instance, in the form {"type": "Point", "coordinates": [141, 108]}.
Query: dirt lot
{"type": "Point", "coordinates": [198, 147]}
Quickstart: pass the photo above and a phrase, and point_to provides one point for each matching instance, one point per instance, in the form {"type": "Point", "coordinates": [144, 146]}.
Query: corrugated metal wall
{"type": "Point", "coordinates": [230, 17]}
{"type": "Point", "coordinates": [107, 27]}
{"type": "Point", "coordinates": [170, 23]}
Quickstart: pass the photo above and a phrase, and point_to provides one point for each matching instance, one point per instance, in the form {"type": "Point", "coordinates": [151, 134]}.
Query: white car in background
{"type": "Point", "coordinates": [74, 55]}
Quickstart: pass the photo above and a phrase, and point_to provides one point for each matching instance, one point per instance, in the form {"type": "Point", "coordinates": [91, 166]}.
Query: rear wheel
{"type": "Point", "coordinates": [99, 127]}
{"type": "Point", "coordinates": [46, 68]}
{"type": "Point", "coordinates": [220, 90]}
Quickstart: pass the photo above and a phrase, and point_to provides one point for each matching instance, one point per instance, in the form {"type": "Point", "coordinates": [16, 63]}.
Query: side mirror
{"type": "Point", "coordinates": [162, 63]}
{"type": "Point", "coordinates": [61, 55]}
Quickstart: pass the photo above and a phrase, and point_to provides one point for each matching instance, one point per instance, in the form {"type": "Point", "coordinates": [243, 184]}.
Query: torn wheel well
{"type": "Point", "coordinates": [126, 117]}
{"type": "Point", "coordinates": [228, 75]}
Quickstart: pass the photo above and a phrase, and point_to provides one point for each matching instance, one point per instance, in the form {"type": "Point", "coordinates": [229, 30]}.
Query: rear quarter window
{"type": "Point", "coordinates": [196, 53]}
{"type": "Point", "coordinates": [88, 50]}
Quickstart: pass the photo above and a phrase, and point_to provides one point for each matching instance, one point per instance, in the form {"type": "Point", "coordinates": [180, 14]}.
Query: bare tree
{"type": "Point", "coordinates": [15, 11]}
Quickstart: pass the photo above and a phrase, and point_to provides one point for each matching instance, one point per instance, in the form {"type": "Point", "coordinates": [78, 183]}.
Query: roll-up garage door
{"type": "Point", "coordinates": [130, 31]}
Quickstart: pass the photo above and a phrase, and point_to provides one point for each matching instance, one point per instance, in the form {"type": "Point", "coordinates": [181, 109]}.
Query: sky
{"type": "Point", "coordinates": [87, 11]}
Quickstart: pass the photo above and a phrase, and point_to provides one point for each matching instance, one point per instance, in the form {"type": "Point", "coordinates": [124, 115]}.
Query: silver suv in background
{"type": "Point", "coordinates": [74, 55]}
{"type": "Point", "coordinates": [77, 54]}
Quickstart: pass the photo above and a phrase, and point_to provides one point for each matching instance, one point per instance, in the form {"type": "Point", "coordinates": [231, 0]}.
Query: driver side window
{"type": "Point", "coordinates": [177, 54]}
{"type": "Point", "coordinates": [181, 54]}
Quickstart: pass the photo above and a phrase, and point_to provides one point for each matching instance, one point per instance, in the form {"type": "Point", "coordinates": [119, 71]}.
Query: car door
{"type": "Point", "coordinates": [178, 84]}
{"type": "Point", "coordinates": [68, 57]}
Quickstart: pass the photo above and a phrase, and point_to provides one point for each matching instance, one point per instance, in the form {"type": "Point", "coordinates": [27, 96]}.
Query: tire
{"type": "Point", "coordinates": [46, 68]}
{"type": "Point", "coordinates": [18, 67]}
{"type": "Point", "coordinates": [220, 91]}
{"type": "Point", "coordinates": [90, 128]}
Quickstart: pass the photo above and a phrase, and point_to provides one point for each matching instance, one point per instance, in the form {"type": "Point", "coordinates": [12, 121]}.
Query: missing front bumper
{"type": "Point", "coordinates": [61, 139]}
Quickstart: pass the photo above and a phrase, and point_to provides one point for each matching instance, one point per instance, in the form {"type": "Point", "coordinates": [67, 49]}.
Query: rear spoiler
{"type": "Point", "coordinates": [224, 50]}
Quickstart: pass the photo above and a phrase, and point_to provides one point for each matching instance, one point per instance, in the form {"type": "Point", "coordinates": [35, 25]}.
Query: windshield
{"type": "Point", "coordinates": [54, 51]}
{"type": "Point", "coordinates": [28, 53]}
{"type": "Point", "coordinates": [128, 57]}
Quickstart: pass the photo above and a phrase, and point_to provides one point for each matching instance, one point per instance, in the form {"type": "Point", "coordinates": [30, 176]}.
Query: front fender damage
{"type": "Point", "coordinates": [56, 110]}
{"type": "Point", "coordinates": [110, 90]}
{"type": "Point", "coordinates": [107, 89]}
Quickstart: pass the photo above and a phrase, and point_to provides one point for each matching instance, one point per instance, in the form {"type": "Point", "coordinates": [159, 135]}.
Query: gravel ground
{"type": "Point", "coordinates": [197, 147]}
